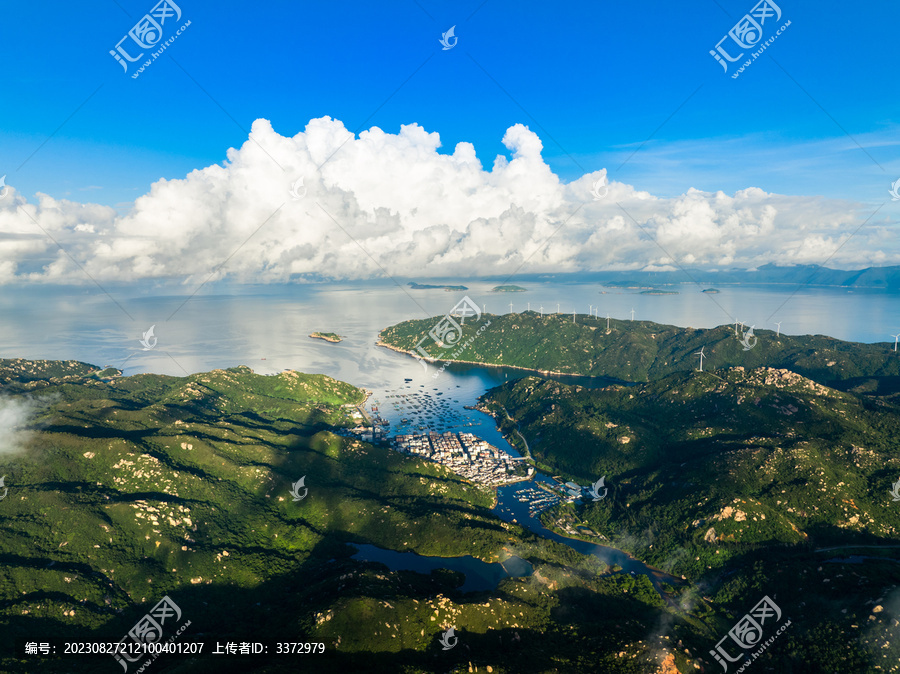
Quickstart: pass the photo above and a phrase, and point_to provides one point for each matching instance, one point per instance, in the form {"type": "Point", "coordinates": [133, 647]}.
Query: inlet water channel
{"type": "Point", "coordinates": [422, 403]}
{"type": "Point", "coordinates": [479, 575]}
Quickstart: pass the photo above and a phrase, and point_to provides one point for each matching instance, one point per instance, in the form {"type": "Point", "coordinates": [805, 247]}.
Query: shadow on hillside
{"type": "Point", "coordinates": [283, 608]}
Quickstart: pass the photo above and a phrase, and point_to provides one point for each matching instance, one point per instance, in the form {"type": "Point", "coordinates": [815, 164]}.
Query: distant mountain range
{"type": "Point", "coordinates": [801, 274]}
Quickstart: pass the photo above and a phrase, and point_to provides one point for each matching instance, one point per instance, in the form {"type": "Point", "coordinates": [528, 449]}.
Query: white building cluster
{"type": "Point", "coordinates": [463, 453]}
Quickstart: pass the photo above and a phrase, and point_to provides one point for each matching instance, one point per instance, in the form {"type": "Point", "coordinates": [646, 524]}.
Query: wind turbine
{"type": "Point", "coordinates": [736, 321]}
{"type": "Point", "coordinates": [557, 308]}
{"type": "Point", "coordinates": [590, 309]}
{"type": "Point", "coordinates": [701, 354]}
{"type": "Point", "coordinates": [573, 315]}
{"type": "Point", "coordinates": [896, 337]}
{"type": "Point", "coordinates": [529, 306]}
{"type": "Point", "coordinates": [542, 311]}
{"type": "Point", "coordinates": [778, 332]}
{"type": "Point", "coordinates": [510, 307]}
{"type": "Point", "coordinates": [607, 320]}
{"type": "Point", "coordinates": [632, 314]}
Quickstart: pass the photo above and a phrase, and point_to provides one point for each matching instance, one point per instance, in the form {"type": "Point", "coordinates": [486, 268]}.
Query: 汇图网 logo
{"type": "Point", "coordinates": [297, 191]}
{"type": "Point", "coordinates": [894, 191]}
{"type": "Point", "coordinates": [446, 640]}
{"type": "Point", "coordinates": [748, 34]}
{"type": "Point", "coordinates": [149, 630]}
{"type": "Point", "coordinates": [748, 339]}
{"type": "Point", "coordinates": [295, 491]}
{"type": "Point", "coordinates": [600, 183]}
{"type": "Point", "coordinates": [148, 33]}
{"type": "Point", "coordinates": [448, 332]}
{"type": "Point", "coordinates": [747, 633]}
{"type": "Point", "coordinates": [149, 340]}
{"type": "Point", "coordinates": [447, 37]}
{"type": "Point", "coordinates": [594, 491]}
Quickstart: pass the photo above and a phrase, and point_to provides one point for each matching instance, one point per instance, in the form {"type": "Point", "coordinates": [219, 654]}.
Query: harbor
{"type": "Point", "coordinates": [433, 422]}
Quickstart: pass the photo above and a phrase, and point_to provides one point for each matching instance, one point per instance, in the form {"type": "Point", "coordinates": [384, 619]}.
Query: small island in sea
{"type": "Point", "coordinates": [508, 289]}
{"type": "Point", "coordinates": [712, 291]}
{"type": "Point", "coordinates": [425, 286]}
{"type": "Point", "coordinates": [332, 337]}
{"type": "Point", "coordinates": [659, 292]}
{"type": "Point", "coordinates": [627, 285]}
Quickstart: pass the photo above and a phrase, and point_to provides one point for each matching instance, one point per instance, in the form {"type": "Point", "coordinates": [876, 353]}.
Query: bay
{"type": "Point", "coordinates": [267, 328]}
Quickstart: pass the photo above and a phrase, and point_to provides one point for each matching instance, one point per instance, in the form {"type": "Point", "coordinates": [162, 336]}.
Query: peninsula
{"type": "Point", "coordinates": [637, 351]}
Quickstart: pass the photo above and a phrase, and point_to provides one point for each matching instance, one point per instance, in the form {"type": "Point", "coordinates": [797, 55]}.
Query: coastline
{"type": "Point", "coordinates": [656, 575]}
{"type": "Point", "coordinates": [483, 364]}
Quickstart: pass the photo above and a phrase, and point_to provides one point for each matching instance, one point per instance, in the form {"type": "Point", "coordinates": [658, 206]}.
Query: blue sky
{"type": "Point", "coordinates": [593, 80]}
{"type": "Point", "coordinates": [119, 178]}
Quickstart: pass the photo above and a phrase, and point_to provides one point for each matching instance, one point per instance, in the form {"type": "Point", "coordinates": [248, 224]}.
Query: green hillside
{"type": "Point", "coordinates": [643, 350]}
{"type": "Point", "coordinates": [143, 486]}
{"type": "Point", "coordinates": [735, 479]}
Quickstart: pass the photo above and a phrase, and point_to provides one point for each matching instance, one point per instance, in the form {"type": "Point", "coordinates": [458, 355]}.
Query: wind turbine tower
{"type": "Point", "coordinates": [896, 337]}
{"type": "Point", "coordinates": [701, 354]}
{"type": "Point", "coordinates": [778, 332]}
{"type": "Point", "coordinates": [632, 314]}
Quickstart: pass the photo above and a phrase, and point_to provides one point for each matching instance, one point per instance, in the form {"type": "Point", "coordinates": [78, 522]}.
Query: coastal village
{"type": "Point", "coordinates": [465, 454]}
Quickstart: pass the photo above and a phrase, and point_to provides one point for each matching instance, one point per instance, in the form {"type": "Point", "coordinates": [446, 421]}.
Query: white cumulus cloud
{"type": "Point", "coordinates": [395, 203]}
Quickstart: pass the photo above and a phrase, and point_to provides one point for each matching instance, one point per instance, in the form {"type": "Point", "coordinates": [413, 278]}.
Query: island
{"type": "Point", "coordinates": [508, 289]}
{"type": "Point", "coordinates": [425, 286]}
{"type": "Point", "coordinates": [332, 337]}
{"type": "Point", "coordinates": [627, 285]}
{"type": "Point", "coordinates": [658, 292]}
{"type": "Point", "coordinates": [711, 291]}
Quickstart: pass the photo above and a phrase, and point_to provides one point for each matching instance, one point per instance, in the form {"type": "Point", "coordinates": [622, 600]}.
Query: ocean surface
{"type": "Point", "coordinates": [267, 328]}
